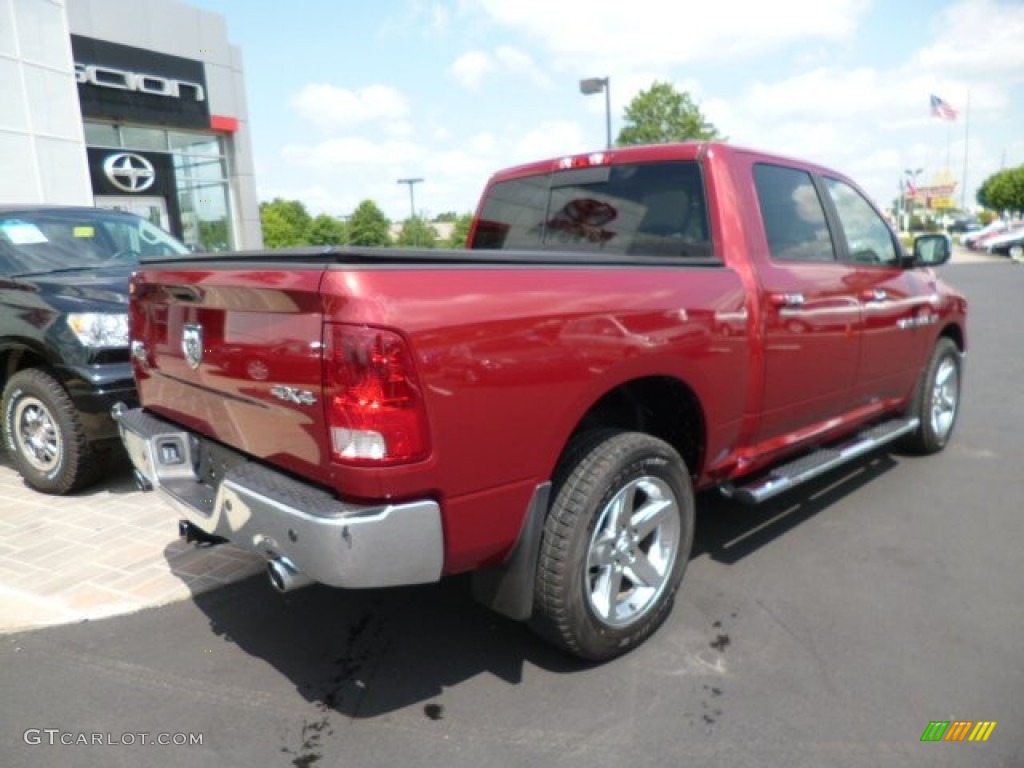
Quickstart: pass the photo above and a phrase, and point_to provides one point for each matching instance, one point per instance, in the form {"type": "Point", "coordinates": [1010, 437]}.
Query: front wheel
{"type": "Point", "coordinates": [44, 436]}
{"type": "Point", "coordinates": [936, 402]}
{"type": "Point", "coordinates": [615, 545]}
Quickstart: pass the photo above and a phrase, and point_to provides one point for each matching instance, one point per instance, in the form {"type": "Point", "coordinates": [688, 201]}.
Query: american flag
{"type": "Point", "coordinates": [942, 109]}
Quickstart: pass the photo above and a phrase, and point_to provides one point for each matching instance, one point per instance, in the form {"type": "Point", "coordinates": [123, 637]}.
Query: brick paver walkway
{"type": "Point", "coordinates": [107, 550]}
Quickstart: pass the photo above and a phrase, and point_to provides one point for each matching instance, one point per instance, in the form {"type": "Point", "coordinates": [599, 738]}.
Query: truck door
{"type": "Point", "coordinates": [810, 308]}
{"type": "Point", "coordinates": [896, 302]}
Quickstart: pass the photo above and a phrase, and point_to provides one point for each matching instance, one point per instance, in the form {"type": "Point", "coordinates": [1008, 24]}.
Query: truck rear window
{"type": "Point", "coordinates": [648, 209]}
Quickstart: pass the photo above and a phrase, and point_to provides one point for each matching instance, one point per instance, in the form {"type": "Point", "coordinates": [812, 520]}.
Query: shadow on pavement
{"type": "Point", "coordinates": [367, 653]}
{"type": "Point", "coordinates": [728, 531]}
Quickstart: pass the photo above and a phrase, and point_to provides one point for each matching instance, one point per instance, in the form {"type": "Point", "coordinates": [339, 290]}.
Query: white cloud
{"type": "Point", "coordinates": [977, 39]}
{"type": "Point", "coordinates": [482, 143]}
{"type": "Point", "coordinates": [644, 31]}
{"type": "Point", "coordinates": [515, 61]}
{"type": "Point", "coordinates": [471, 67]}
{"type": "Point", "coordinates": [549, 139]}
{"type": "Point", "coordinates": [329, 107]}
{"type": "Point", "coordinates": [352, 150]}
{"type": "Point", "coordinates": [339, 172]}
{"type": "Point", "coordinates": [440, 17]}
{"type": "Point", "coordinates": [839, 94]}
{"type": "Point", "coordinates": [458, 163]}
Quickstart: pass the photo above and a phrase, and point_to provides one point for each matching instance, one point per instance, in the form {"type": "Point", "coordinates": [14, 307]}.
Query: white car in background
{"type": "Point", "coordinates": [1010, 243]}
{"type": "Point", "coordinates": [971, 238]}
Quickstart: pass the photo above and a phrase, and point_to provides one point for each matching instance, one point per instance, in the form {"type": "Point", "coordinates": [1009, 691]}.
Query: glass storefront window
{"type": "Point", "coordinates": [194, 143]}
{"type": "Point", "coordinates": [206, 217]}
{"type": "Point", "coordinates": [102, 135]}
{"type": "Point", "coordinates": [195, 170]}
{"type": "Point", "coordinates": [134, 137]}
{"type": "Point", "coordinates": [200, 177]}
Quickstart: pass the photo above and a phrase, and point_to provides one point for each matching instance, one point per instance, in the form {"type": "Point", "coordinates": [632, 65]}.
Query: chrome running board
{"type": "Point", "coordinates": [787, 476]}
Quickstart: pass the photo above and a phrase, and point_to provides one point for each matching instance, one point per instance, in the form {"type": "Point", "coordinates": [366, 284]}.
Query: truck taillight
{"type": "Point", "coordinates": [375, 409]}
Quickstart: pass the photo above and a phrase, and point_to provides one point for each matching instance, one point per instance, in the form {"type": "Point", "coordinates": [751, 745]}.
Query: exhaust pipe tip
{"type": "Point", "coordinates": [284, 576]}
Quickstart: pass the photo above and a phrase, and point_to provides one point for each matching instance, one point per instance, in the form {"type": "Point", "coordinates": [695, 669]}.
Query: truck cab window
{"type": "Point", "coordinates": [794, 219]}
{"type": "Point", "coordinates": [868, 238]}
{"type": "Point", "coordinates": [648, 209]}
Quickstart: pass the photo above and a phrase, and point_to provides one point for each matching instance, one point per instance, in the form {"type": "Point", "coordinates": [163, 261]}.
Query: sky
{"type": "Point", "coordinates": [346, 97]}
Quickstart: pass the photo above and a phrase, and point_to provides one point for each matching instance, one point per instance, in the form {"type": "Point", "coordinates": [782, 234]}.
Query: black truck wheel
{"type": "Point", "coordinates": [44, 436]}
{"type": "Point", "coordinates": [936, 401]}
{"type": "Point", "coordinates": [615, 544]}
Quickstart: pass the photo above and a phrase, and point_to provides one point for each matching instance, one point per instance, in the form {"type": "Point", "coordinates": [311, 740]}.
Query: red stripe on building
{"type": "Point", "coordinates": [224, 124]}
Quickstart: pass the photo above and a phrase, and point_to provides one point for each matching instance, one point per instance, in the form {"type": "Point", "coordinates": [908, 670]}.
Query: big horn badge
{"type": "Point", "coordinates": [192, 345]}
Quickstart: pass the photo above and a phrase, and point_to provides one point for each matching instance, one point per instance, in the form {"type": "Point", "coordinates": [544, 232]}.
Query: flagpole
{"type": "Point", "coordinates": [949, 144]}
{"type": "Point", "coordinates": [967, 128]}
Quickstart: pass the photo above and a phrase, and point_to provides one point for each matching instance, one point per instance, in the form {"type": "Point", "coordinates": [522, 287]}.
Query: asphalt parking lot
{"type": "Point", "coordinates": [827, 628]}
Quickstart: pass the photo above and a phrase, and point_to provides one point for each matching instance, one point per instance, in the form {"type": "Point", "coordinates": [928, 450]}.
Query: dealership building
{"type": "Point", "coordinates": [131, 104]}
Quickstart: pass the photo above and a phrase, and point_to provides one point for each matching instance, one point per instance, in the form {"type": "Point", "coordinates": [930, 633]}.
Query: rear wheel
{"type": "Point", "coordinates": [615, 544]}
{"type": "Point", "coordinates": [936, 401]}
{"type": "Point", "coordinates": [44, 436]}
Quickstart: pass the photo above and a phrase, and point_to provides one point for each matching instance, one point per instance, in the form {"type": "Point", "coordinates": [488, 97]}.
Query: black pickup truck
{"type": "Point", "coordinates": [64, 357]}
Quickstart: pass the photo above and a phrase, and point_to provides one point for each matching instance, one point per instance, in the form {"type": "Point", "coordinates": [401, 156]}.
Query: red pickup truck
{"type": "Point", "coordinates": [628, 326]}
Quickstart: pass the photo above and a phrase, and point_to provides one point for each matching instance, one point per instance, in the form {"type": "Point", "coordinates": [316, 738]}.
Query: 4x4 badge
{"type": "Point", "coordinates": [192, 345]}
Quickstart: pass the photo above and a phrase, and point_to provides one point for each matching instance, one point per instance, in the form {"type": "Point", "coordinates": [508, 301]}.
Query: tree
{"type": "Point", "coordinates": [368, 225]}
{"type": "Point", "coordinates": [1003, 191]}
{"type": "Point", "coordinates": [446, 216]}
{"type": "Point", "coordinates": [284, 223]}
{"type": "Point", "coordinates": [663, 114]}
{"type": "Point", "coordinates": [460, 233]}
{"type": "Point", "coordinates": [213, 235]}
{"type": "Point", "coordinates": [327, 230]}
{"type": "Point", "coordinates": [416, 232]}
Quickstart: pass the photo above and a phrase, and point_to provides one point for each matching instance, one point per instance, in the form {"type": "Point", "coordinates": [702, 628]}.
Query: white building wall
{"type": "Point", "coordinates": [42, 148]}
{"type": "Point", "coordinates": [177, 29]}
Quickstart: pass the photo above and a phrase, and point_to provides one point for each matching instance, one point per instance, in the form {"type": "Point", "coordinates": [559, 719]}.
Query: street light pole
{"type": "Point", "coordinates": [913, 174]}
{"type": "Point", "coordinates": [592, 85]}
{"type": "Point", "coordinates": [412, 205]}
{"type": "Point", "coordinates": [412, 197]}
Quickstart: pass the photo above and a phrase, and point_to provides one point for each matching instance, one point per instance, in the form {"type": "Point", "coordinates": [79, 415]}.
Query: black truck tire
{"type": "Point", "coordinates": [936, 401]}
{"type": "Point", "coordinates": [44, 436]}
{"type": "Point", "coordinates": [615, 544]}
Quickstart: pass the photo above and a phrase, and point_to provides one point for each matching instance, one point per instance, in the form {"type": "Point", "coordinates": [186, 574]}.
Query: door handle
{"type": "Point", "coordinates": [790, 300]}
{"type": "Point", "coordinates": [874, 294]}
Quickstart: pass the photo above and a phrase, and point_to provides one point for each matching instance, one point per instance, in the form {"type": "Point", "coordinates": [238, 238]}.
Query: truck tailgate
{"type": "Point", "coordinates": [235, 355]}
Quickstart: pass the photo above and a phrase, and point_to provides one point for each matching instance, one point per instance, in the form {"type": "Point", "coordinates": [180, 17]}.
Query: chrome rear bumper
{"type": "Point", "coordinates": [277, 516]}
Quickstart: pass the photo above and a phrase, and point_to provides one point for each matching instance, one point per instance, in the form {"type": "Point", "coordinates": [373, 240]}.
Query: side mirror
{"type": "Point", "coordinates": [932, 250]}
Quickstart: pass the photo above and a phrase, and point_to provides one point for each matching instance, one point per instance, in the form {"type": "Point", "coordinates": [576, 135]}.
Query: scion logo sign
{"type": "Point", "coordinates": [129, 172]}
{"type": "Point", "coordinates": [137, 85]}
{"type": "Point", "coordinates": [122, 80]}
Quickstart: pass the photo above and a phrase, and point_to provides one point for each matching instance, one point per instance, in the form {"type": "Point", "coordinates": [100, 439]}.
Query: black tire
{"type": "Point", "coordinates": [44, 436]}
{"type": "Point", "coordinates": [589, 599]}
{"type": "Point", "coordinates": [936, 401]}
